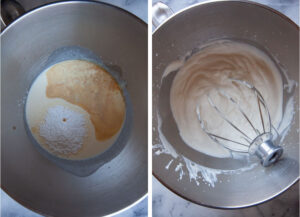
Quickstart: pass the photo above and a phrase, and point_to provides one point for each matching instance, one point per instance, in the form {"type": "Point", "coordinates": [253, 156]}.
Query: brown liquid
{"type": "Point", "coordinates": [91, 87]}
{"type": "Point", "coordinates": [34, 130]}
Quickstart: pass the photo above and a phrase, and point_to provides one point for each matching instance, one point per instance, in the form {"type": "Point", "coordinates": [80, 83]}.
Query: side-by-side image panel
{"type": "Point", "coordinates": [74, 108]}
{"type": "Point", "coordinates": [225, 108]}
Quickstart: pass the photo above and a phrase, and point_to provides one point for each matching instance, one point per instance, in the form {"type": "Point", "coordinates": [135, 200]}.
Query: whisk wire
{"type": "Point", "coordinates": [260, 99]}
{"type": "Point", "coordinates": [224, 118]}
{"type": "Point", "coordinates": [240, 110]}
{"type": "Point", "coordinates": [220, 137]}
{"type": "Point", "coordinates": [262, 145]}
{"type": "Point", "coordinates": [261, 117]}
{"type": "Point", "coordinates": [213, 136]}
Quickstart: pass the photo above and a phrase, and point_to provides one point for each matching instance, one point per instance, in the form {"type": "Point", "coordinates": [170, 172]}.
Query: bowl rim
{"type": "Point", "coordinates": [64, 2]}
{"type": "Point", "coordinates": [207, 2]}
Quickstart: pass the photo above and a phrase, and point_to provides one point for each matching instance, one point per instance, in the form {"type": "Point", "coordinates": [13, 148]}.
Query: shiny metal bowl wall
{"type": "Point", "coordinates": [236, 20]}
{"type": "Point", "coordinates": [120, 40]}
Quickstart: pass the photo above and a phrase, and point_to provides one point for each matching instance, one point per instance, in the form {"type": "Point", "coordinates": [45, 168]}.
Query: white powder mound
{"type": "Point", "coordinates": [63, 129]}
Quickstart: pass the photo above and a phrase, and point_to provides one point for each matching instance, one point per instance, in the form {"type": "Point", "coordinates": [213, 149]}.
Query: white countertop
{"type": "Point", "coordinates": [166, 203]}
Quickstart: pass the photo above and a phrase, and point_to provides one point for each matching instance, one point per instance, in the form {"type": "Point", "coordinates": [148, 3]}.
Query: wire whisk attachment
{"type": "Point", "coordinates": [260, 141]}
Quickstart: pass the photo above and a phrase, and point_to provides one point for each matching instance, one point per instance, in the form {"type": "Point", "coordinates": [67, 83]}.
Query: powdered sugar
{"type": "Point", "coordinates": [63, 129]}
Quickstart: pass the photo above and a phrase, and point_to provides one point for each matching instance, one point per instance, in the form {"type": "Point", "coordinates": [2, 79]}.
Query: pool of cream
{"type": "Point", "coordinates": [37, 105]}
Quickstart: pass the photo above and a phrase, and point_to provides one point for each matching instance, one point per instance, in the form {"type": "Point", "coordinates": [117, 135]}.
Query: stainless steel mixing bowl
{"type": "Point", "coordinates": [119, 39]}
{"type": "Point", "coordinates": [252, 23]}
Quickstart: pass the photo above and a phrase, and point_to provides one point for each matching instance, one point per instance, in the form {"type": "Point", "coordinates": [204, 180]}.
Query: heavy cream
{"type": "Point", "coordinates": [212, 69]}
{"type": "Point", "coordinates": [79, 87]}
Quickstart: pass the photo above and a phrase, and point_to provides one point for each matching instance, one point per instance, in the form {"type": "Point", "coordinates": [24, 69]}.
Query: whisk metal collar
{"type": "Point", "coordinates": [264, 148]}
